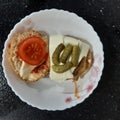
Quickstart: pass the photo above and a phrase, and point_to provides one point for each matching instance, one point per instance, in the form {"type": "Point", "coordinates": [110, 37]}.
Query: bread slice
{"type": "Point", "coordinates": [25, 71]}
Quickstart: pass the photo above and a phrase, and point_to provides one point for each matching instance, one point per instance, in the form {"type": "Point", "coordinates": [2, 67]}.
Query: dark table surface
{"type": "Point", "coordinates": [104, 103]}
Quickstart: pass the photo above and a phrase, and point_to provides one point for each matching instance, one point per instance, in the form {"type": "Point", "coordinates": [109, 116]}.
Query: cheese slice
{"type": "Point", "coordinates": [70, 40]}
{"type": "Point", "coordinates": [25, 70]}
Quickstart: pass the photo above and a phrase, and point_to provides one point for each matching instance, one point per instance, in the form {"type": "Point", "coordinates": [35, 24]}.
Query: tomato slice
{"type": "Point", "coordinates": [32, 50]}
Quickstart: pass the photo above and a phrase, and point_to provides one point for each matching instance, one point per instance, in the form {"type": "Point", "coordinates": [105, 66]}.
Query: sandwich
{"type": "Point", "coordinates": [29, 56]}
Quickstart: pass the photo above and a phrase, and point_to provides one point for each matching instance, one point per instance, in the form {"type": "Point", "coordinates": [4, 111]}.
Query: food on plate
{"type": "Point", "coordinates": [75, 55]}
{"type": "Point", "coordinates": [73, 61]}
{"type": "Point", "coordinates": [29, 56]}
{"type": "Point", "coordinates": [66, 53]}
{"type": "Point", "coordinates": [83, 66]}
{"type": "Point", "coordinates": [56, 54]}
{"type": "Point", "coordinates": [31, 50]}
{"type": "Point", "coordinates": [33, 56]}
{"type": "Point", "coordinates": [62, 68]}
{"type": "Point", "coordinates": [62, 55]}
{"type": "Point", "coordinates": [54, 42]}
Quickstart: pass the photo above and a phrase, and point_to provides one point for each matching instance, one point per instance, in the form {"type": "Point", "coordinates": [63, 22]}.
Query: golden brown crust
{"type": "Point", "coordinates": [15, 61]}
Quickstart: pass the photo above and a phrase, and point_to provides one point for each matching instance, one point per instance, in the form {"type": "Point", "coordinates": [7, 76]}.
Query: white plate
{"type": "Point", "coordinates": [47, 94]}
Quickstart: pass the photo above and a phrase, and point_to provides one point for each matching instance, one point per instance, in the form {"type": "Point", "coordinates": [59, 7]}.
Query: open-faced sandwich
{"type": "Point", "coordinates": [29, 56]}
{"type": "Point", "coordinates": [70, 58]}
{"type": "Point", "coordinates": [32, 56]}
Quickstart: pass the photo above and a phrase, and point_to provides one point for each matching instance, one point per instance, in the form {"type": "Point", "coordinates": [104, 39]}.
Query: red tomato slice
{"type": "Point", "coordinates": [32, 50]}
